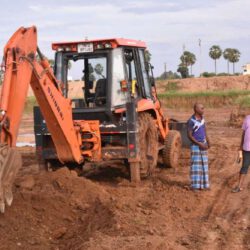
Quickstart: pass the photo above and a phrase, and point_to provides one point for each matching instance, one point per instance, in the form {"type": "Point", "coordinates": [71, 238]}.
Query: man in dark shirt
{"type": "Point", "coordinates": [199, 146]}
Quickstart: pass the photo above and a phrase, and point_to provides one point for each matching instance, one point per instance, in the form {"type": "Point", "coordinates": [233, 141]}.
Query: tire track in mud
{"type": "Point", "coordinates": [214, 226]}
{"type": "Point", "coordinates": [229, 219]}
{"type": "Point", "coordinates": [228, 215]}
{"type": "Point", "coordinates": [160, 213]}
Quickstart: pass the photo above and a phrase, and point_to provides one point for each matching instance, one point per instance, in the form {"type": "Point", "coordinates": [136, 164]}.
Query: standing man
{"type": "Point", "coordinates": [244, 152]}
{"type": "Point", "coordinates": [199, 146]}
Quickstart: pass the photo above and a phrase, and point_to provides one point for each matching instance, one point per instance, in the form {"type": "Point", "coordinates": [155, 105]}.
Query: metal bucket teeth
{"type": "Point", "coordinates": [10, 162]}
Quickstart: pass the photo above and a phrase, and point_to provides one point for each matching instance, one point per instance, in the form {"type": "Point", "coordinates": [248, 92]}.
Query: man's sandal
{"type": "Point", "coordinates": [237, 190]}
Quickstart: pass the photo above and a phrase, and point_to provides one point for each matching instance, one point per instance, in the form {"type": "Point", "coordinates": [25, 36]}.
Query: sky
{"type": "Point", "coordinates": [167, 26]}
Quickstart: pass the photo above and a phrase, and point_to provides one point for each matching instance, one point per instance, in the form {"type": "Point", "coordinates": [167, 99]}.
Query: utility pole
{"type": "Point", "coordinates": [200, 57]}
{"type": "Point", "coordinates": [165, 70]}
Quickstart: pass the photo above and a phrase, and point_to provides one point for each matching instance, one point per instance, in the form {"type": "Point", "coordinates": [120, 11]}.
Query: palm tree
{"type": "Point", "coordinates": [215, 53]}
{"type": "Point", "coordinates": [234, 57]}
{"type": "Point", "coordinates": [192, 61]}
{"type": "Point", "coordinates": [188, 59]}
{"type": "Point", "coordinates": [183, 70]}
{"type": "Point", "coordinates": [226, 54]}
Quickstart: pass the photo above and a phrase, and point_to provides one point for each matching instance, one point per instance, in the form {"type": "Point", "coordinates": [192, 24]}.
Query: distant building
{"type": "Point", "coordinates": [246, 69]}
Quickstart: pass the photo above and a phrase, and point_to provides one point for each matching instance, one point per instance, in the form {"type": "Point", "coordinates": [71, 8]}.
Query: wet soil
{"type": "Point", "coordinates": [102, 210]}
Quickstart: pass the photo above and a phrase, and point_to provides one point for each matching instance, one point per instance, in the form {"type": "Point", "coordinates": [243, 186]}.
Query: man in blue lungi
{"type": "Point", "coordinates": [199, 146]}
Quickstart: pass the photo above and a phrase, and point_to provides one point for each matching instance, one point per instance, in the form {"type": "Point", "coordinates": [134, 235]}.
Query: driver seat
{"type": "Point", "coordinates": [100, 92]}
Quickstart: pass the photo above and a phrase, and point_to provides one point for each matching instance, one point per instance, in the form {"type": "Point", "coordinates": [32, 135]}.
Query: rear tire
{"type": "Point", "coordinates": [147, 144]}
{"type": "Point", "coordinates": [172, 149]}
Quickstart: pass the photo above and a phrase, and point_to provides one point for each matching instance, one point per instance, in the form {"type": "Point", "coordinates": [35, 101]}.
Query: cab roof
{"type": "Point", "coordinates": [114, 42]}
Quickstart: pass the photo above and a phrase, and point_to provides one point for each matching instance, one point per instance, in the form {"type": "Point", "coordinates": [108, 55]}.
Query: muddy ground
{"type": "Point", "coordinates": [59, 210]}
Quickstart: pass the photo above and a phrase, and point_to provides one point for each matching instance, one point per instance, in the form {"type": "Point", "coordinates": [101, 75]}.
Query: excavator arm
{"type": "Point", "coordinates": [23, 68]}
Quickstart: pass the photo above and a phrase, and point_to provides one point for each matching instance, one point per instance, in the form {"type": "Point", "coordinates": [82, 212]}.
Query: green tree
{"type": "Point", "coordinates": [168, 75]}
{"type": "Point", "coordinates": [234, 57]}
{"type": "Point", "coordinates": [215, 53]}
{"type": "Point", "coordinates": [192, 61]}
{"type": "Point", "coordinates": [188, 59]}
{"type": "Point", "coordinates": [147, 56]}
{"type": "Point", "coordinates": [226, 54]}
{"type": "Point", "coordinates": [99, 69]}
{"type": "Point", "coordinates": [183, 70]}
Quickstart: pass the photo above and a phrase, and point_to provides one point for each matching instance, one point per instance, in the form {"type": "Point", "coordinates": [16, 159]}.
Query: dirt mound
{"type": "Point", "coordinates": [75, 89]}
{"type": "Point", "coordinates": [60, 210]}
{"type": "Point", "coordinates": [207, 84]}
{"type": "Point", "coordinates": [237, 116]}
{"type": "Point", "coordinates": [57, 208]}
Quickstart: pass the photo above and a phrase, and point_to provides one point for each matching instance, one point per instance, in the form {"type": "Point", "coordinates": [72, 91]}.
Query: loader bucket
{"type": "Point", "coordinates": [10, 162]}
{"type": "Point", "coordinates": [182, 128]}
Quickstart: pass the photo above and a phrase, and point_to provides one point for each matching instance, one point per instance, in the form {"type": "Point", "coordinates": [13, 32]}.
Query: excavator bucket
{"type": "Point", "coordinates": [10, 162]}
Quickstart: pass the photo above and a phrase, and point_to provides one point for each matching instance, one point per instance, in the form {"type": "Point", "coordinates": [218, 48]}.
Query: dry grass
{"type": "Point", "coordinates": [209, 98]}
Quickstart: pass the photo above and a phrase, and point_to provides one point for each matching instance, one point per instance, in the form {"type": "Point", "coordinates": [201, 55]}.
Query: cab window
{"type": "Point", "coordinates": [130, 61]}
{"type": "Point", "coordinates": [147, 87]}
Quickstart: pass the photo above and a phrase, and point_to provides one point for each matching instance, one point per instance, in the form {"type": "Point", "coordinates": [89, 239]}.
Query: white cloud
{"type": "Point", "coordinates": [36, 8]}
{"type": "Point", "coordinates": [164, 24]}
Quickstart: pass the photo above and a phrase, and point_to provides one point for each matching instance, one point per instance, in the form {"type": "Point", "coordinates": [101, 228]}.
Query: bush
{"type": "Point", "coordinates": [208, 74]}
{"type": "Point", "coordinates": [172, 86]}
{"type": "Point", "coordinates": [183, 70]}
{"type": "Point", "coordinates": [243, 101]}
{"type": "Point", "coordinates": [223, 74]}
{"type": "Point", "coordinates": [211, 74]}
{"type": "Point", "coordinates": [168, 75]}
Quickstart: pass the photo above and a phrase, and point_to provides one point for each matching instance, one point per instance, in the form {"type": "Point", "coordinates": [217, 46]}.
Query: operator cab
{"type": "Point", "coordinates": [97, 74]}
{"type": "Point", "coordinates": [105, 80]}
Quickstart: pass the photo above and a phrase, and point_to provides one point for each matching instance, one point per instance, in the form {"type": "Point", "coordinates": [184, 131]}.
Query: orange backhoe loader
{"type": "Point", "coordinates": [114, 114]}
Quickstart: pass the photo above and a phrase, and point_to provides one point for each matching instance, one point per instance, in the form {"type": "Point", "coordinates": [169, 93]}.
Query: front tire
{"type": "Point", "coordinates": [172, 149]}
